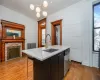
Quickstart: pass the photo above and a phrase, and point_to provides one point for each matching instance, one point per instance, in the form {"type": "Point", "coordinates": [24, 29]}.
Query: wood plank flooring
{"type": "Point", "coordinates": [17, 70]}
{"type": "Point", "coordinates": [79, 72]}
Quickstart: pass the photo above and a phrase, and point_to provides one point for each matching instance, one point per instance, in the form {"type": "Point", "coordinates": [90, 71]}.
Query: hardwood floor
{"type": "Point", "coordinates": [17, 70]}
{"type": "Point", "coordinates": [79, 72]}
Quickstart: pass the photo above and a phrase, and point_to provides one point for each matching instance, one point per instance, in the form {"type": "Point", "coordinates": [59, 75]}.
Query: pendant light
{"type": "Point", "coordinates": [45, 4]}
{"type": "Point", "coordinates": [38, 9]}
{"type": "Point", "coordinates": [38, 15]}
{"type": "Point", "coordinates": [31, 6]}
{"type": "Point", "coordinates": [44, 13]}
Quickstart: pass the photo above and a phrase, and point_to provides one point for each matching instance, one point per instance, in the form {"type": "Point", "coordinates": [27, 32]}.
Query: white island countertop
{"type": "Point", "coordinates": [40, 54]}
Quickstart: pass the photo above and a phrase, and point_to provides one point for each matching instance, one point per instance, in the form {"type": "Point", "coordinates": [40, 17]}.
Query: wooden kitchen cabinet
{"type": "Point", "coordinates": [54, 67]}
{"type": "Point", "coordinates": [57, 67]}
{"type": "Point", "coordinates": [61, 65]}
{"type": "Point", "coordinates": [42, 70]}
{"type": "Point", "coordinates": [50, 69]}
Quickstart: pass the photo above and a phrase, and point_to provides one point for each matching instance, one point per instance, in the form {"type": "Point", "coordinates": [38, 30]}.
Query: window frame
{"type": "Point", "coordinates": [93, 24]}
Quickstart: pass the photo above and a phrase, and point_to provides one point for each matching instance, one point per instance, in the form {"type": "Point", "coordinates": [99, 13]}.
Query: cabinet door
{"type": "Point", "coordinates": [61, 66]}
{"type": "Point", "coordinates": [54, 68]}
{"type": "Point", "coordinates": [42, 70]}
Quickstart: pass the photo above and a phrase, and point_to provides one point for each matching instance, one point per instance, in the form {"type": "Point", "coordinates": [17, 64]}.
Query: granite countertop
{"type": "Point", "coordinates": [40, 54]}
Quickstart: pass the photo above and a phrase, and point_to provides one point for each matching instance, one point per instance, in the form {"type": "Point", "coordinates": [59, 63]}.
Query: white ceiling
{"type": "Point", "coordinates": [22, 6]}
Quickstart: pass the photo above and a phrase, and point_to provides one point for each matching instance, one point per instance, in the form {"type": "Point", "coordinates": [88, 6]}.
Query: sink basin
{"type": "Point", "coordinates": [50, 50]}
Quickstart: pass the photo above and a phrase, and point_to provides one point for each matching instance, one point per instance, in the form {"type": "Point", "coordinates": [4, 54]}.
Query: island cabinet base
{"type": "Point", "coordinates": [50, 69]}
{"type": "Point", "coordinates": [42, 70]}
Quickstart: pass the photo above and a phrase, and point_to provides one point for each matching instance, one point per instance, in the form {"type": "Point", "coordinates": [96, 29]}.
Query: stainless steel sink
{"type": "Point", "coordinates": [51, 50]}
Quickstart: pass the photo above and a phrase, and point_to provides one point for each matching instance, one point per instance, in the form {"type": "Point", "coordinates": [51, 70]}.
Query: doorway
{"type": "Point", "coordinates": [41, 32]}
{"type": "Point", "coordinates": [56, 32]}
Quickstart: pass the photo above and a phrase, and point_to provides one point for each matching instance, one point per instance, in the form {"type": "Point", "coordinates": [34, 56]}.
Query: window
{"type": "Point", "coordinates": [96, 27]}
{"type": "Point", "coordinates": [43, 36]}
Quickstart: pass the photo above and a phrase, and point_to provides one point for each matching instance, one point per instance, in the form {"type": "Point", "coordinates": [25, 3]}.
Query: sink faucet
{"type": "Point", "coordinates": [46, 45]}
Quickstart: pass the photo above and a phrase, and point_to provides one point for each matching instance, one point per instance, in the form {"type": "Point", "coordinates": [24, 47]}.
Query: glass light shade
{"type": "Point", "coordinates": [45, 13]}
{"type": "Point", "coordinates": [38, 15]}
{"type": "Point", "coordinates": [38, 10]}
{"type": "Point", "coordinates": [31, 6]}
{"type": "Point", "coordinates": [45, 4]}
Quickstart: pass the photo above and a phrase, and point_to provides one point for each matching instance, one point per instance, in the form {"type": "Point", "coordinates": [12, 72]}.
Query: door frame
{"type": "Point", "coordinates": [57, 22]}
{"type": "Point", "coordinates": [40, 32]}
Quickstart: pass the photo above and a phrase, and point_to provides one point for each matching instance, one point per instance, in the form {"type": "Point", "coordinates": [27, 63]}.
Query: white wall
{"type": "Point", "coordinates": [30, 24]}
{"type": "Point", "coordinates": [77, 30]}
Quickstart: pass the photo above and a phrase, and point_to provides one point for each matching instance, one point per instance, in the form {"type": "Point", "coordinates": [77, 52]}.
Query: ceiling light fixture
{"type": "Point", "coordinates": [44, 13]}
{"type": "Point", "coordinates": [45, 4]}
{"type": "Point", "coordinates": [38, 15]}
{"type": "Point", "coordinates": [39, 7]}
{"type": "Point", "coordinates": [31, 6]}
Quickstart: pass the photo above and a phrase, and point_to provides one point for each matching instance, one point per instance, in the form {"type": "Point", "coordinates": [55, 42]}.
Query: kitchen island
{"type": "Point", "coordinates": [48, 62]}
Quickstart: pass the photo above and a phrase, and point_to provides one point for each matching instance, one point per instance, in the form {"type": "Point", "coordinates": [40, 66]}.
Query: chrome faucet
{"type": "Point", "coordinates": [46, 45]}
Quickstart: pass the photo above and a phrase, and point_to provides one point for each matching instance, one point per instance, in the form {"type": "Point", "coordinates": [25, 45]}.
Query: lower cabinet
{"type": "Point", "coordinates": [54, 68]}
{"type": "Point", "coordinates": [57, 67]}
{"type": "Point", "coordinates": [41, 70]}
{"type": "Point", "coordinates": [61, 66]}
{"type": "Point", "coordinates": [50, 69]}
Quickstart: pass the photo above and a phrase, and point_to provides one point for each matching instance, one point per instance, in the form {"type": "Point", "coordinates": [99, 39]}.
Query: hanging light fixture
{"type": "Point", "coordinates": [38, 9]}
{"type": "Point", "coordinates": [38, 15]}
{"type": "Point", "coordinates": [45, 4]}
{"type": "Point", "coordinates": [31, 6]}
{"type": "Point", "coordinates": [44, 13]}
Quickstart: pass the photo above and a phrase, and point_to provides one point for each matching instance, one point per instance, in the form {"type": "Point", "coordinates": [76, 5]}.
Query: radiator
{"type": "Point", "coordinates": [31, 45]}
